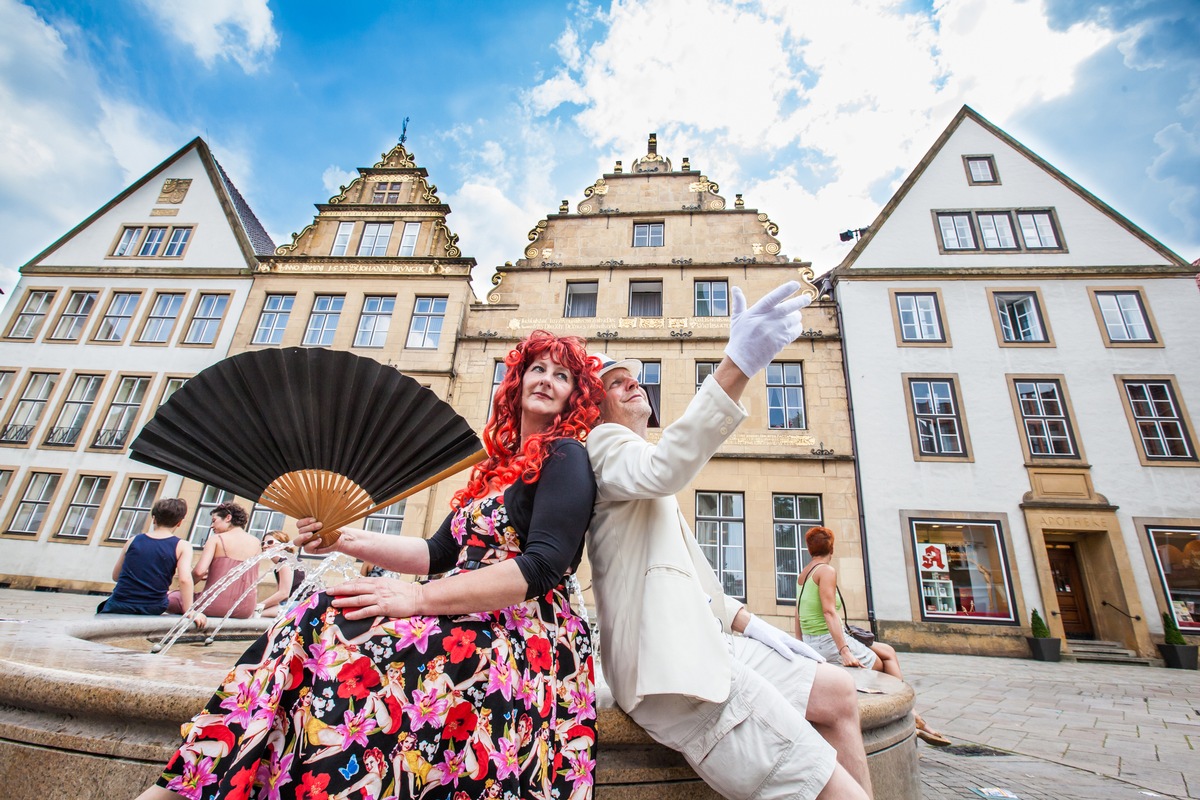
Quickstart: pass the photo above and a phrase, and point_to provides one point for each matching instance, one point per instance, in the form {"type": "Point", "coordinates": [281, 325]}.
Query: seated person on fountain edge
{"type": "Point", "coordinates": [144, 569]}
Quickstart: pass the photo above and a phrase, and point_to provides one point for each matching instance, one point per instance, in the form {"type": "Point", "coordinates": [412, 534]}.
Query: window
{"type": "Point", "coordinates": [956, 231]}
{"type": "Point", "coordinates": [388, 193]}
{"type": "Point", "coordinates": [980, 169]}
{"type": "Point", "coordinates": [785, 394]}
{"type": "Point", "coordinates": [122, 412]}
{"type": "Point", "coordinates": [6, 379]}
{"type": "Point", "coordinates": [939, 428]}
{"type": "Point", "coordinates": [426, 327]}
{"type": "Point", "coordinates": [1177, 551]}
{"type": "Point", "coordinates": [323, 321]}
{"type": "Point", "coordinates": [31, 511]}
{"type": "Point", "coordinates": [116, 319]}
{"type": "Point", "coordinates": [651, 380]}
{"type": "Point", "coordinates": [341, 242]}
{"type": "Point", "coordinates": [648, 234]}
{"type": "Point", "coordinates": [408, 241]}
{"type": "Point", "coordinates": [1020, 317]}
{"type": "Point", "coordinates": [85, 504]}
{"type": "Point", "coordinates": [161, 320]}
{"type": "Point", "coordinates": [1044, 417]}
{"type": "Point", "coordinates": [375, 238]}
{"type": "Point", "coordinates": [32, 314]}
{"type": "Point", "coordinates": [1159, 421]}
{"type": "Point", "coordinates": [5, 478]}
{"type": "Point", "coordinates": [210, 498]}
{"type": "Point", "coordinates": [712, 299]}
{"type": "Point", "coordinates": [133, 515]}
{"type": "Point", "coordinates": [499, 370]}
{"type": "Point", "coordinates": [645, 298]}
{"type": "Point", "coordinates": [74, 316]}
{"type": "Point", "coordinates": [1124, 317]}
{"type": "Point", "coordinates": [263, 519]}
{"type": "Point", "coordinates": [177, 243]}
{"type": "Point", "coordinates": [793, 515]}
{"type": "Point", "coordinates": [920, 317]}
{"type": "Point", "coordinates": [207, 319]}
{"type": "Point", "coordinates": [581, 300]}
{"type": "Point", "coordinates": [721, 534]}
{"type": "Point", "coordinates": [153, 241]}
{"type": "Point", "coordinates": [996, 231]}
{"type": "Point", "coordinates": [128, 242]}
{"type": "Point", "coordinates": [171, 386]}
{"type": "Point", "coordinates": [80, 399]}
{"type": "Point", "coordinates": [29, 408]}
{"type": "Point", "coordinates": [703, 370]}
{"type": "Point", "coordinates": [375, 320]}
{"type": "Point", "coordinates": [388, 520]}
{"type": "Point", "coordinates": [962, 570]}
{"type": "Point", "coordinates": [1037, 228]}
{"type": "Point", "coordinates": [277, 309]}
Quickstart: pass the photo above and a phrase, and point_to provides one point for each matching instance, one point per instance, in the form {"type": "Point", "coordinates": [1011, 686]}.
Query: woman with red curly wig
{"type": "Point", "coordinates": [479, 681]}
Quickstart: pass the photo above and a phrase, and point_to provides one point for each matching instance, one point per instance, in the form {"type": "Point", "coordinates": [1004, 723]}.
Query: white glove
{"type": "Point", "coordinates": [758, 334]}
{"type": "Point", "coordinates": [779, 641]}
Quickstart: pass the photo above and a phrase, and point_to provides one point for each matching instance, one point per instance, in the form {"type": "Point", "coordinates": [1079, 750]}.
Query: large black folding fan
{"type": "Point", "coordinates": [309, 432]}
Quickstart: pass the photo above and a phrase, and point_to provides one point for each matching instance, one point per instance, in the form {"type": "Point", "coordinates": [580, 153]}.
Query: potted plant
{"type": "Point", "coordinates": [1175, 650]}
{"type": "Point", "coordinates": [1043, 646]}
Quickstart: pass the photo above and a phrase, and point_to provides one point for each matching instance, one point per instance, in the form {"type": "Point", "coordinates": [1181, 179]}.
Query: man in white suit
{"type": "Point", "coordinates": [753, 719]}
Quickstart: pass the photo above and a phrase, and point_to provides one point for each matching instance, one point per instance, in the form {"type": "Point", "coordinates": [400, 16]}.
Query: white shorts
{"type": "Point", "coordinates": [757, 745]}
{"type": "Point", "coordinates": [826, 646]}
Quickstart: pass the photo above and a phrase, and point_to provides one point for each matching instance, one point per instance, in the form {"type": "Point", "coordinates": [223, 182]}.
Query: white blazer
{"type": "Point", "coordinates": [662, 611]}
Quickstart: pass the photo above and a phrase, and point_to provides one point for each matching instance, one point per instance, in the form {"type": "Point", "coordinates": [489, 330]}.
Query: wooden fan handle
{"type": "Point", "coordinates": [329, 536]}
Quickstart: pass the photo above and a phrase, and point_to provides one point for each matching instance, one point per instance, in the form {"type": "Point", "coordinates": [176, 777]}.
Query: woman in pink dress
{"type": "Point", "coordinates": [228, 546]}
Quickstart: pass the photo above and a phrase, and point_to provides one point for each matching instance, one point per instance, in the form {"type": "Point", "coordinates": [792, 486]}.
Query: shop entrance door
{"type": "Point", "coordinates": [1068, 586]}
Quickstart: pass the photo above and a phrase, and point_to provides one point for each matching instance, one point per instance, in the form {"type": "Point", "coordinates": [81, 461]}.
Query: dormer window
{"type": "Point", "coordinates": [981, 170]}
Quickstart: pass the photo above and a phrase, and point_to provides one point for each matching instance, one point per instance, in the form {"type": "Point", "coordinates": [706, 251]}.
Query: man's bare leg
{"type": "Point", "coordinates": [833, 712]}
{"type": "Point", "coordinates": [842, 786]}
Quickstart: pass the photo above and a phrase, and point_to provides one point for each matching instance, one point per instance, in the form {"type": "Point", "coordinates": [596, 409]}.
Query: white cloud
{"type": "Point", "coordinates": [841, 98]}
{"type": "Point", "coordinates": [54, 117]}
{"type": "Point", "coordinates": [242, 31]}
{"type": "Point", "coordinates": [489, 225]}
{"type": "Point", "coordinates": [1176, 166]}
{"type": "Point", "coordinates": [334, 178]}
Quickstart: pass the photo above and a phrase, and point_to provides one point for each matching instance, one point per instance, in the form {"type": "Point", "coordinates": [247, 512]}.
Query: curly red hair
{"type": "Point", "coordinates": [509, 460]}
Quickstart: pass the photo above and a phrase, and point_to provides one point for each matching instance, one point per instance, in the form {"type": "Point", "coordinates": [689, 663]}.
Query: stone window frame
{"type": "Point", "coordinates": [55, 375]}
{"type": "Point", "coordinates": [960, 415]}
{"type": "Point", "coordinates": [276, 313]}
{"type": "Point", "coordinates": [109, 402]}
{"type": "Point", "coordinates": [6, 531]}
{"type": "Point", "coordinates": [131, 324]}
{"type": "Point", "coordinates": [193, 316]}
{"type": "Point", "coordinates": [718, 569]}
{"type": "Point", "coordinates": [648, 229]}
{"type": "Point", "coordinates": [81, 320]}
{"type": "Point", "coordinates": [696, 296]}
{"type": "Point", "coordinates": [1184, 418]}
{"type": "Point", "coordinates": [1079, 457]}
{"type": "Point", "coordinates": [51, 295]}
{"type": "Point", "coordinates": [428, 315]}
{"type": "Point", "coordinates": [567, 297]}
{"type": "Point", "coordinates": [894, 296]}
{"type": "Point", "coordinates": [65, 398]}
{"type": "Point", "coordinates": [1144, 526]}
{"type": "Point", "coordinates": [110, 539]}
{"type": "Point", "coordinates": [101, 507]}
{"type": "Point", "coordinates": [1043, 318]}
{"type": "Point", "coordinates": [1155, 340]}
{"type": "Point", "coordinates": [374, 316]}
{"type": "Point", "coordinates": [990, 160]}
{"type": "Point", "coordinates": [149, 317]}
{"type": "Point", "coordinates": [324, 314]}
{"type": "Point", "coordinates": [801, 545]}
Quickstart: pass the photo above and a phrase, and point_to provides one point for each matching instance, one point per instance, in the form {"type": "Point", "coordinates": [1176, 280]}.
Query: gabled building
{"type": "Point", "coordinates": [1022, 360]}
{"type": "Point", "coordinates": [102, 326]}
{"type": "Point", "coordinates": [378, 273]}
{"type": "Point", "coordinates": [642, 266]}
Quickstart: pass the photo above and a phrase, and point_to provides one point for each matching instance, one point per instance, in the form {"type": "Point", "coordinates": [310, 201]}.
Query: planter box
{"type": "Point", "coordinates": [1179, 656]}
{"type": "Point", "coordinates": [1045, 649]}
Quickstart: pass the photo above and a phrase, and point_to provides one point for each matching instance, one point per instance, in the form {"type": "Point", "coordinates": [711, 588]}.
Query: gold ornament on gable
{"type": "Point", "coordinates": [174, 190]}
{"type": "Point", "coordinates": [452, 250]}
{"type": "Point", "coordinates": [287, 249]}
{"type": "Point", "coordinates": [397, 157]}
{"type": "Point", "coordinates": [536, 231]}
{"type": "Point", "coordinates": [599, 187]}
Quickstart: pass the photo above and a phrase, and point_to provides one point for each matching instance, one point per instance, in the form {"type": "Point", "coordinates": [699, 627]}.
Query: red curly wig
{"type": "Point", "coordinates": [509, 460]}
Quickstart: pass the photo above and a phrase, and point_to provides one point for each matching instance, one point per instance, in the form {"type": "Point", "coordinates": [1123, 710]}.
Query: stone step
{"type": "Point", "coordinates": [1097, 658]}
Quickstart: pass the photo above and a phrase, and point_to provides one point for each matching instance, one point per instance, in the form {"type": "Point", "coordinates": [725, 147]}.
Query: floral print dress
{"type": "Point", "coordinates": [495, 705]}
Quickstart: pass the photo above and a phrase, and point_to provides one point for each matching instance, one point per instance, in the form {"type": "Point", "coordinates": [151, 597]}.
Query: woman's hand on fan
{"type": "Point", "coordinates": [376, 597]}
{"type": "Point", "coordinates": [308, 538]}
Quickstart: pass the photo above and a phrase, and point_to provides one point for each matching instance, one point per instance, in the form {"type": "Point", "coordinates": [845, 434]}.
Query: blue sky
{"type": "Point", "coordinates": [814, 111]}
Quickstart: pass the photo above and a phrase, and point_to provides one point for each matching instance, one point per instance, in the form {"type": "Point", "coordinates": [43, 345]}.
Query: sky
{"type": "Point", "coordinates": [814, 111]}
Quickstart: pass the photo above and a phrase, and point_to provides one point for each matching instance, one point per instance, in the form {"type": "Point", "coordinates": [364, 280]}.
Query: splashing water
{"type": "Point", "coordinates": [314, 581]}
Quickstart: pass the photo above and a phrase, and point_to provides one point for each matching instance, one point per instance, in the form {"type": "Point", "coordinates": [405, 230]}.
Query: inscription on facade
{"type": "Point", "coordinates": [361, 269]}
{"type": "Point", "coordinates": [608, 323]}
{"type": "Point", "coordinates": [164, 212]}
{"type": "Point", "coordinates": [1064, 521]}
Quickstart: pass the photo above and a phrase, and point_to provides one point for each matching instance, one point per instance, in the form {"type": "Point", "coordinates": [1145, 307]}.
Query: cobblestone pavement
{"type": "Point", "coordinates": [1040, 731]}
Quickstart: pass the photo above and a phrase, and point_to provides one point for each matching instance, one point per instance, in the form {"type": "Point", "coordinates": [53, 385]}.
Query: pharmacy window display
{"type": "Point", "coordinates": [962, 571]}
{"type": "Point", "coordinates": [1177, 551]}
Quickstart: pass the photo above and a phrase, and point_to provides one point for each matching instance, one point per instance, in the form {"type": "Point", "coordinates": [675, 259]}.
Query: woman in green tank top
{"type": "Point", "coordinates": [819, 622]}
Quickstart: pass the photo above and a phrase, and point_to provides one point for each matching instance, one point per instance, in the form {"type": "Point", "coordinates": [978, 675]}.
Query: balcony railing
{"type": "Point", "coordinates": [111, 437]}
{"type": "Point", "coordinates": [18, 434]}
{"type": "Point", "coordinates": [63, 437]}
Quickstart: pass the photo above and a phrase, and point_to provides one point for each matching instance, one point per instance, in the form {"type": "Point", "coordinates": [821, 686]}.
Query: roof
{"type": "Point", "coordinates": [260, 240]}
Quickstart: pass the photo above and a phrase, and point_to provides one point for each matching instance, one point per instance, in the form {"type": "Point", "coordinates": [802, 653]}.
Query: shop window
{"type": "Point", "coordinates": [1177, 551]}
{"type": "Point", "coordinates": [721, 534]}
{"type": "Point", "coordinates": [962, 570]}
{"type": "Point", "coordinates": [793, 514]}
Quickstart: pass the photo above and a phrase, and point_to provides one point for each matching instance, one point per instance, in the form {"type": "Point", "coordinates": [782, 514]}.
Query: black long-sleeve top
{"type": "Point", "coordinates": [550, 515]}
